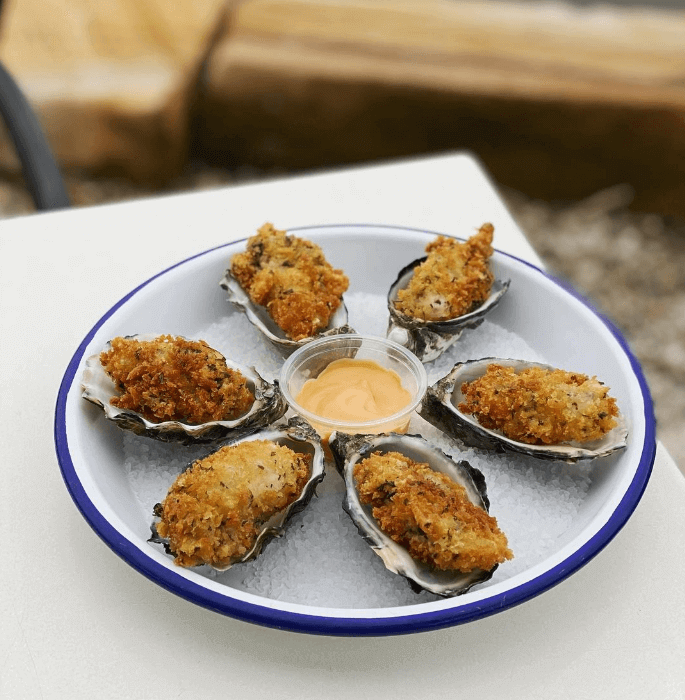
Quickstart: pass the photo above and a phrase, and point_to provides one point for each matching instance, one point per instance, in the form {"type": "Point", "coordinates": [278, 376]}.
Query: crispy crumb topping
{"type": "Point", "coordinates": [292, 279]}
{"type": "Point", "coordinates": [453, 280]}
{"type": "Point", "coordinates": [540, 406]}
{"type": "Point", "coordinates": [172, 378]}
{"type": "Point", "coordinates": [429, 514]}
{"type": "Point", "coordinates": [214, 511]}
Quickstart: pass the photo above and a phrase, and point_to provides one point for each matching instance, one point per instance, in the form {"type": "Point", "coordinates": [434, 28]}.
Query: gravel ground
{"type": "Point", "coordinates": [630, 265]}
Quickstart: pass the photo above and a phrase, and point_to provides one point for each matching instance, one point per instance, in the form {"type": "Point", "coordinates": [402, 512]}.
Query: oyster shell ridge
{"type": "Point", "coordinates": [438, 409]}
{"type": "Point", "coordinates": [429, 339]}
{"type": "Point", "coordinates": [269, 405]}
{"type": "Point", "coordinates": [258, 317]}
{"type": "Point", "coordinates": [295, 430]}
{"type": "Point", "coordinates": [419, 576]}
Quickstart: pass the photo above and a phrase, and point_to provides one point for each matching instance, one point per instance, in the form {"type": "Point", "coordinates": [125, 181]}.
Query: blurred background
{"type": "Point", "coordinates": [576, 110]}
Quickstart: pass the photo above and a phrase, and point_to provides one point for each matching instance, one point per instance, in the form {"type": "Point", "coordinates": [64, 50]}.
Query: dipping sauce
{"type": "Point", "coordinates": [355, 391]}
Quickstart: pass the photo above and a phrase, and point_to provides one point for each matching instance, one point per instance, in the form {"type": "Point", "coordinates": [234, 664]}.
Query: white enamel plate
{"type": "Point", "coordinates": [186, 298]}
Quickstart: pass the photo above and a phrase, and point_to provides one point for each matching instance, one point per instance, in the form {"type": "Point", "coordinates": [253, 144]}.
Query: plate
{"type": "Point", "coordinates": [539, 311]}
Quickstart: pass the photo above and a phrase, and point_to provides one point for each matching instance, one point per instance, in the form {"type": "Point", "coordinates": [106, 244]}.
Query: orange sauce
{"type": "Point", "coordinates": [355, 391]}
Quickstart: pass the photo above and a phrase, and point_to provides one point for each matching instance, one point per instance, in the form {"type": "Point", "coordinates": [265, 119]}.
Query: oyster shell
{"type": "Point", "coordinates": [300, 437]}
{"type": "Point", "coordinates": [429, 339]}
{"type": "Point", "coordinates": [348, 450]}
{"type": "Point", "coordinates": [259, 317]}
{"type": "Point", "coordinates": [269, 405]}
{"type": "Point", "coordinates": [440, 407]}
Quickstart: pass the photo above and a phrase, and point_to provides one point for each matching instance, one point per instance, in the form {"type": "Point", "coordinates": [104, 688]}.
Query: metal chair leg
{"type": "Point", "coordinates": [39, 167]}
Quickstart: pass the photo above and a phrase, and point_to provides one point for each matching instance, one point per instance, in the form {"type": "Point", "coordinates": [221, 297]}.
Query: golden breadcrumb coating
{"type": "Point", "coordinates": [452, 281]}
{"type": "Point", "coordinates": [172, 378]}
{"type": "Point", "coordinates": [540, 406]}
{"type": "Point", "coordinates": [292, 279]}
{"type": "Point", "coordinates": [215, 509]}
{"type": "Point", "coordinates": [429, 514]}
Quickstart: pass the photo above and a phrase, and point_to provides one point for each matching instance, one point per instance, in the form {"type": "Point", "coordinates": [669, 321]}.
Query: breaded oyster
{"type": "Point", "coordinates": [452, 281]}
{"type": "Point", "coordinates": [292, 279]}
{"type": "Point", "coordinates": [537, 405]}
{"type": "Point", "coordinates": [174, 379]}
{"type": "Point", "coordinates": [216, 510]}
{"type": "Point", "coordinates": [429, 514]}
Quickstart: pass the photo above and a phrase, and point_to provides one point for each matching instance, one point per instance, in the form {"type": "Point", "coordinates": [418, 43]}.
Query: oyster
{"type": "Point", "coordinates": [287, 289]}
{"type": "Point", "coordinates": [225, 507]}
{"type": "Point", "coordinates": [440, 406]}
{"type": "Point", "coordinates": [429, 330]}
{"type": "Point", "coordinates": [349, 451]}
{"type": "Point", "coordinates": [268, 406]}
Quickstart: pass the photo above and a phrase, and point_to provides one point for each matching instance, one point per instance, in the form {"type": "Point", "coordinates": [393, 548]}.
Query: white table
{"type": "Point", "coordinates": [77, 622]}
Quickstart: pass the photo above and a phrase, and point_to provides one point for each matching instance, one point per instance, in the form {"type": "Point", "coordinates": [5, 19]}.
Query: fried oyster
{"type": "Point", "coordinates": [429, 514]}
{"type": "Point", "coordinates": [539, 405]}
{"type": "Point", "coordinates": [175, 379]}
{"type": "Point", "coordinates": [292, 279]}
{"type": "Point", "coordinates": [214, 511]}
{"type": "Point", "coordinates": [452, 281]}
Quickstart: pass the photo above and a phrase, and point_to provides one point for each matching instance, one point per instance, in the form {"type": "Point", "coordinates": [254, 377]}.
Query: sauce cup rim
{"type": "Point", "coordinates": [413, 363]}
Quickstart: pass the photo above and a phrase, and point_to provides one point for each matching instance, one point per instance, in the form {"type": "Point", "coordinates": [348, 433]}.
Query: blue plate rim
{"type": "Point", "coordinates": [351, 626]}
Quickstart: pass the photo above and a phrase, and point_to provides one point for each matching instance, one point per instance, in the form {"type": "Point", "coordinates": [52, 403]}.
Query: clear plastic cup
{"type": "Point", "coordinates": [311, 359]}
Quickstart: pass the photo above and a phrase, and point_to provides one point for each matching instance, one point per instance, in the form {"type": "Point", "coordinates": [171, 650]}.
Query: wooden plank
{"type": "Point", "coordinates": [558, 101]}
{"type": "Point", "coordinates": [111, 80]}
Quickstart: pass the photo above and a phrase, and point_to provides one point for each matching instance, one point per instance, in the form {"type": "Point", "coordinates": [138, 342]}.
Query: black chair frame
{"type": "Point", "coordinates": [39, 167]}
